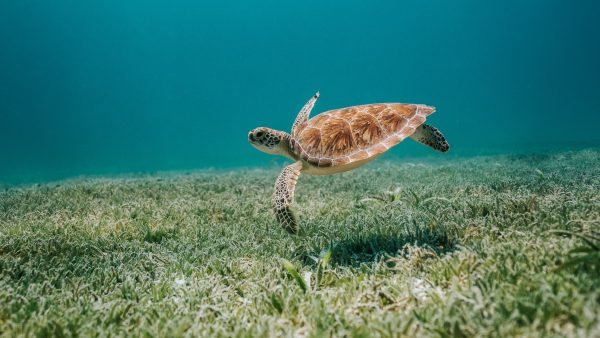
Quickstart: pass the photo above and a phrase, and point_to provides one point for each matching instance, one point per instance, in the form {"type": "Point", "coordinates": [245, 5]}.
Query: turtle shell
{"type": "Point", "coordinates": [346, 135]}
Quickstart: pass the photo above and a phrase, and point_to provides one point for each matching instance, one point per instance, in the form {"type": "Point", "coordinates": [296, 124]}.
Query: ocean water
{"type": "Point", "coordinates": [105, 87]}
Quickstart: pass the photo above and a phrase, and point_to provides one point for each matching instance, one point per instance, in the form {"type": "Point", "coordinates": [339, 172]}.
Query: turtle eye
{"type": "Point", "coordinates": [260, 134]}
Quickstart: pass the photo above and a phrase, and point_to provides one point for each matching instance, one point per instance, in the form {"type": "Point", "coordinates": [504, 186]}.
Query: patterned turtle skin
{"type": "Point", "coordinates": [340, 140]}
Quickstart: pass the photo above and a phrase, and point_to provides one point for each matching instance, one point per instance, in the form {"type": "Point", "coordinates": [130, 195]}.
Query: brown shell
{"type": "Point", "coordinates": [346, 135]}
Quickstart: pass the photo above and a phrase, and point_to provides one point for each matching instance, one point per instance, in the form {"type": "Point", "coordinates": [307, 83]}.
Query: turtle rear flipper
{"type": "Point", "coordinates": [283, 196]}
{"type": "Point", "coordinates": [431, 137]}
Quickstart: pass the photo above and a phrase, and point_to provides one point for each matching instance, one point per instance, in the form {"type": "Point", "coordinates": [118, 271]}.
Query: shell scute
{"type": "Point", "coordinates": [394, 120]}
{"type": "Point", "coordinates": [378, 148]}
{"type": "Point", "coordinates": [319, 120]}
{"type": "Point", "coordinates": [376, 109]}
{"type": "Point", "coordinates": [340, 161]}
{"type": "Point", "coordinates": [337, 138]}
{"type": "Point", "coordinates": [359, 156]}
{"type": "Point", "coordinates": [418, 120]}
{"type": "Point", "coordinates": [366, 130]}
{"type": "Point", "coordinates": [310, 140]}
{"type": "Point", "coordinates": [347, 113]}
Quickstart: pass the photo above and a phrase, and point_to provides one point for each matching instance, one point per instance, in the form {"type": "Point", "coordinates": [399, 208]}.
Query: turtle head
{"type": "Point", "coordinates": [269, 141]}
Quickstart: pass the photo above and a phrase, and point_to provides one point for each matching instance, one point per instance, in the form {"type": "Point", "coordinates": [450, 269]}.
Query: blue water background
{"type": "Point", "coordinates": [104, 87]}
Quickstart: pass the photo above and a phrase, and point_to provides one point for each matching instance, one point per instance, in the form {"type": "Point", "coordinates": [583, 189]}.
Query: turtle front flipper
{"type": "Point", "coordinates": [283, 196]}
{"type": "Point", "coordinates": [431, 137]}
{"type": "Point", "coordinates": [305, 112]}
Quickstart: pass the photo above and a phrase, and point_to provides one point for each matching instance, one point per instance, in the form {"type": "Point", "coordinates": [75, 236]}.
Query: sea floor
{"type": "Point", "coordinates": [505, 245]}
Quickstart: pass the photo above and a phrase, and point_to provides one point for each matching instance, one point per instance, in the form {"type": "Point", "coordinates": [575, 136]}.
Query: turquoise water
{"type": "Point", "coordinates": [103, 87]}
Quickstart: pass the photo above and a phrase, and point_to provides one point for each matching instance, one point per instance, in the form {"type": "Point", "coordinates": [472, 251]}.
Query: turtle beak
{"type": "Point", "coordinates": [251, 137]}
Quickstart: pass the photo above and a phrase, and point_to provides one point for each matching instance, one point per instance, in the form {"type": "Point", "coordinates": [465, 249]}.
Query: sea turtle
{"type": "Point", "coordinates": [340, 140]}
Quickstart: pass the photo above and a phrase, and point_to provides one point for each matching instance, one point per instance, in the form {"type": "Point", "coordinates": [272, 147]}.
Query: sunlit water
{"type": "Point", "coordinates": [111, 87]}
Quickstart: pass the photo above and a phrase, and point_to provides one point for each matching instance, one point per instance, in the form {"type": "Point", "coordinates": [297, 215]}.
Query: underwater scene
{"type": "Point", "coordinates": [299, 169]}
